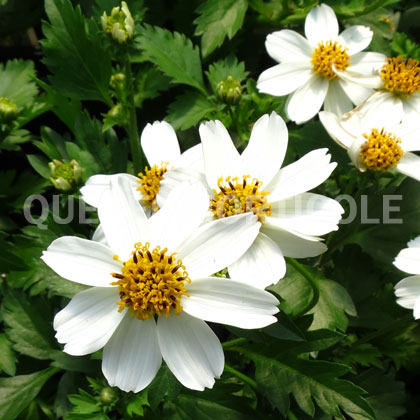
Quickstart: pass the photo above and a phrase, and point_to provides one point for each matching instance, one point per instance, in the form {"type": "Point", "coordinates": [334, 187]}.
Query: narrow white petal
{"type": "Point", "coordinates": [332, 125]}
{"type": "Point", "coordinates": [284, 78]}
{"type": "Point", "coordinates": [294, 245]}
{"type": "Point", "coordinates": [408, 260]}
{"type": "Point", "coordinates": [410, 165]}
{"type": "Point", "coordinates": [221, 158]}
{"type": "Point", "coordinates": [86, 324]}
{"type": "Point", "coordinates": [132, 356]}
{"type": "Point", "coordinates": [123, 219]}
{"type": "Point", "coordinates": [408, 292]}
{"type": "Point", "coordinates": [184, 210]}
{"type": "Point", "coordinates": [230, 302]}
{"type": "Point", "coordinates": [192, 159]}
{"type": "Point", "coordinates": [217, 244]}
{"type": "Point", "coordinates": [191, 350]}
{"type": "Point", "coordinates": [287, 45]}
{"type": "Point", "coordinates": [354, 153]}
{"type": "Point", "coordinates": [99, 236]}
{"type": "Point", "coordinates": [301, 176]}
{"type": "Point", "coordinates": [82, 261]}
{"type": "Point", "coordinates": [416, 311]}
{"type": "Point", "coordinates": [373, 81]}
{"type": "Point", "coordinates": [266, 149]}
{"type": "Point", "coordinates": [337, 100]}
{"type": "Point", "coordinates": [263, 264]}
{"type": "Point", "coordinates": [307, 213]}
{"type": "Point", "coordinates": [306, 101]}
{"type": "Point", "coordinates": [355, 92]}
{"type": "Point", "coordinates": [321, 25]}
{"type": "Point", "coordinates": [355, 38]}
{"type": "Point", "coordinates": [411, 108]}
{"type": "Point", "coordinates": [409, 133]}
{"type": "Point", "coordinates": [97, 184]}
{"type": "Point", "coordinates": [159, 143]}
{"type": "Point", "coordinates": [367, 63]}
{"type": "Point", "coordinates": [414, 243]}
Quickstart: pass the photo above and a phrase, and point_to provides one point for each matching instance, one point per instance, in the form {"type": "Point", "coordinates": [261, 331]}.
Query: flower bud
{"type": "Point", "coordinates": [109, 395]}
{"type": "Point", "coordinates": [65, 176]}
{"type": "Point", "coordinates": [120, 25]}
{"type": "Point", "coordinates": [229, 90]}
{"type": "Point", "coordinates": [8, 110]}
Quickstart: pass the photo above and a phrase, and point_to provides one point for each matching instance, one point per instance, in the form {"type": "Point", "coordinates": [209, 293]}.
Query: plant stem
{"type": "Point", "coordinates": [241, 376]}
{"type": "Point", "coordinates": [234, 342]}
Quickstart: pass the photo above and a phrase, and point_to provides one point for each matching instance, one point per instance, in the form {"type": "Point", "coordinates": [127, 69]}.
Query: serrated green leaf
{"type": "Point", "coordinates": [40, 164]}
{"type": "Point", "coordinates": [149, 83]}
{"type": "Point", "coordinates": [75, 53]}
{"type": "Point", "coordinates": [7, 356]}
{"type": "Point", "coordinates": [84, 403]}
{"type": "Point", "coordinates": [218, 19]}
{"type": "Point", "coordinates": [221, 69]}
{"type": "Point", "coordinates": [189, 109]}
{"type": "Point", "coordinates": [174, 54]}
{"type": "Point", "coordinates": [404, 46]}
{"type": "Point", "coordinates": [17, 392]}
{"type": "Point", "coordinates": [164, 384]}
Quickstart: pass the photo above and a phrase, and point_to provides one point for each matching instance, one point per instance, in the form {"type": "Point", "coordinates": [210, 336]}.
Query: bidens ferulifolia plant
{"type": "Point", "coordinates": [210, 209]}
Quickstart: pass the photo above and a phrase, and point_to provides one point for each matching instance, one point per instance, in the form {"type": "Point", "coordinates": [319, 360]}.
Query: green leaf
{"type": "Point", "coordinates": [404, 46]}
{"type": "Point", "coordinates": [17, 392]}
{"type": "Point", "coordinates": [40, 164]}
{"type": "Point", "coordinates": [164, 384]}
{"type": "Point", "coordinates": [221, 69]}
{"type": "Point", "coordinates": [174, 54]}
{"type": "Point", "coordinates": [75, 53]}
{"type": "Point", "coordinates": [189, 109]}
{"type": "Point", "coordinates": [84, 403]}
{"type": "Point", "coordinates": [7, 356]}
{"type": "Point", "coordinates": [218, 19]}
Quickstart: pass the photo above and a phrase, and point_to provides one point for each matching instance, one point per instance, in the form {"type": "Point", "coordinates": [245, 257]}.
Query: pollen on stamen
{"type": "Point", "coordinates": [401, 76]}
{"type": "Point", "coordinates": [325, 55]}
{"type": "Point", "coordinates": [150, 184]}
{"type": "Point", "coordinates": [151, 283]}
{"type": "Point", "coordinates": [238, 195]}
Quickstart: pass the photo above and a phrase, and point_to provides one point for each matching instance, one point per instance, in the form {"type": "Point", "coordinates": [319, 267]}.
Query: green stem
{"type": "Point", "coordinates": [241, 376]}
{"type": "Point", "coordinates": [234, 342]}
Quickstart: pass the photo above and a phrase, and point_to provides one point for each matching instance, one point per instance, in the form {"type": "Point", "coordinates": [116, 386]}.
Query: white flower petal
{"type": "Point", "coordinates": [300, 176]}
{"type": "Point", "coordinates": [221, 158]}
{"type": "Point", "coordinates": [408, 291]}
{"type": "Point", "coordinates": [354, 153]}
{"type": "Point", "coordinates": [408, 260]}
{"type": "Point", "coordinates": [192, 159]}
{"type": "Point", "coordinates": [287, 45]}
{"type": "Point", "coordinates": [184, 210]}
{"type": "Point", "coordinates": [307, 213]}
{"type": "Point", "coordinates": [123, 219]}
{"type": "Point", "coordinates": [284, 78]}
{"type": "Point", "coordinates": [86, 324]}
{"type": "Point", "coordinates": [230, 302]}
{"type": "Point", "coordinates": [321, 25]}
{"type": "Point", "coordinates": [266, 149]}
{"type": "Point", "coordinates": [159, 143]}
{"type": "Point", "coordinates": [373, 81]}
{"type": "Point", "coordinates": [416, 311]}
{"type": "Point", "coordinates": [414, 243]}
{"type": "Point", "coordinates": [263, 264]}
{"type": "Point", "coordinates": [99, 236]}
{"type": "Point", "coordinates": [355, 38]}
{"type": "Point", "coordinates": [82, 261]}
{"type": "Point", "coordinates": [294, 245]}
{"type": "Point", "coordinates": [132, 356]}
{"type": "Point", "coordinates": [410, 165]}
{"type": "Point", "coordinates": [411, 108]}
{"type": "Point", "coordinates": [306, 101]}
{"type": "Point", "coordinates": [367, 63]}
{"type": "Point", "coordinates": [355, 92]}
{"type": "Point", "coordinates": [218, 244]}
{"type": "Point", "coordinates": [409, 135]}
{"type": "Point", "coordinates": [191, 350]}
{"type": "Point", "coordinates": [337, 100]}
{"type": "Point", "coordinates": [332, 125]}
{"type": "Point", "coordinates": [97, 184]}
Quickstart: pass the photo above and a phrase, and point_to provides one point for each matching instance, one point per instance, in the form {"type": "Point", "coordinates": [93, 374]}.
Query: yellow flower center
{"type": "Point", "coordinates": [238, 195]}
{"type": "Point", "coordinates": [401, 76]}
{"type": "Point", "coordinates": [325, 55]}
{"type": "Point", "coordinates": [150, 184]}
{"type": "Point", "coordinates": [381, 150]}
{"type": "Point", "coordinates": [151, 283]}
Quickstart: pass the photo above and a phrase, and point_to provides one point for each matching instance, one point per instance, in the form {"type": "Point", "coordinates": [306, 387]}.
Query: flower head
{"type": "Point", "coordinates": [65, 176]}
{"type": "Point", "coordinates": [120, 25]}
{"type": "Point", "coordinates": [152, 288]}
{"type": "Point", "coordinates": [311, 68]}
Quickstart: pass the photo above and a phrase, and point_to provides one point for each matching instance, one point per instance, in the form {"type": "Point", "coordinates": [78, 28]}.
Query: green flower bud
{"type": "Point", "coordinates": [221, 273]}
{"type": "Point", "coordinates": [120, 25]}
{"type": "Point", "coordinates": [229, 90]}
{"type": "Point", "coordinates": [109, 395]}
{"type": "Point", "coordinates": [116, 112]}
{"type": "Point", "coordinates": [8, 110]}
{"type": "Point", "coordinates": [117, 81]}
{"type": "Point", "coordinates": [65, 176]}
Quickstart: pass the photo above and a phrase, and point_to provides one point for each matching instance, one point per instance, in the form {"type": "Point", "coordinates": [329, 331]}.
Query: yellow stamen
{"type": "Point", "coordinates": [150, 184]}
{"type": "Point", "coordinates": [325, 55]}
{"type": "Point", "coordinates": [401, 76]}
{"type": "Point", "coordinates": [381, 150]}
{"type": "Point", "coordinates": [237, 195]}
{"type": "Point", "coordinates": [151, 283]}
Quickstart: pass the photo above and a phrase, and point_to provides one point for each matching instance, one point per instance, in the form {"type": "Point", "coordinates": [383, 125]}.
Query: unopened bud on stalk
{"type": "Point", "coordinates": [120, 25]}
{"type": "Point", "coordinates": [8, 110]}
{"type": "Point", "coordinates": [229, 90]}
{"type": "Point", "coordinates": [65, 176]}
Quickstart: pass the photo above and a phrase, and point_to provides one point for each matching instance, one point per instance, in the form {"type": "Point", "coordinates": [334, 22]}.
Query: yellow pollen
{"type": "Point", "coordinates": [401, 76]}
{"type": "Point", "coordinates": [238, 195]}
{"type": "Point", "coordinates": [381, 150]}
{"type": "Point", "coordinates": [325, 55]}
{"type": "Point", "coordinates": [151, 283]}
{"type": "Point", "coordinates": [150, 184]}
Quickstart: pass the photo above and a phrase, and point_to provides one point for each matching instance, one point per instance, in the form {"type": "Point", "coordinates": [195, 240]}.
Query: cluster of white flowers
{"type": "Point", "coordinates": [164, 234]}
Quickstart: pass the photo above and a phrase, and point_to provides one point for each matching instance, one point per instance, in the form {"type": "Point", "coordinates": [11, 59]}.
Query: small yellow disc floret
{"type": "Point", "coordinates": [325, 55]}
{"type": "Point", "coordinates": [150, 184]}
{"type": "Point", "coordinates": [401, 76]}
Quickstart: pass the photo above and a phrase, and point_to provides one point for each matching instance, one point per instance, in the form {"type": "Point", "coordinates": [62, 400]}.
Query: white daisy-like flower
{"type": "Point", "coordinates": [398, 83]}
{"type": "Point", "coordinates": [408, 289]}
{"type": "Point", "coordinates": [377, 140]}
{"type": "Point", "coordinates": [306, 65]}
{"type": "Point", "coordinates": [152, 288]}
{"type": "Point", "coordinates": [291, 218]}
{"type": "Point", "coordinates": [161, 148]}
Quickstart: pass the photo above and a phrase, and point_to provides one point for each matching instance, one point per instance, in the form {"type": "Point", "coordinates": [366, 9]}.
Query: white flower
{"type": "Point", "coordinates": [160, 146]}
{"type": "Point", "coordinates": [151, 288]}
{"type": "Point", "coordinates": [377, 140]}
{"type": "Point", "coordinates": [398, 81]}
{"type": "Point", "coordinates": [408, 289]}
{"type": "Point", "coordinates": [291, 219]}
{"type": "Point", "coordinates": [307, 65]}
